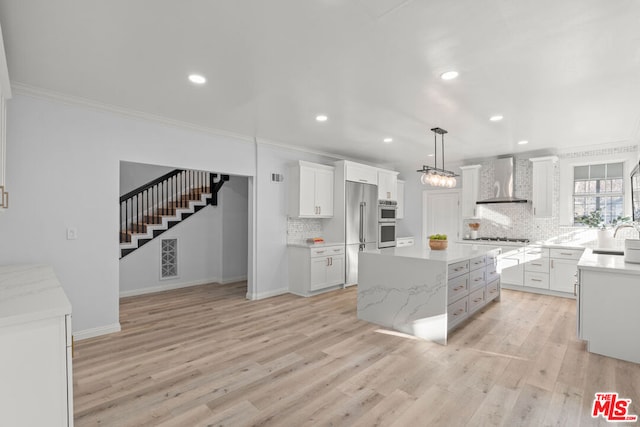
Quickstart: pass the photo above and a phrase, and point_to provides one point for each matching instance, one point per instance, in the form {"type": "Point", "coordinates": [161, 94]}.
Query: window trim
{"type": "Point", "coordinates": [566, 183]}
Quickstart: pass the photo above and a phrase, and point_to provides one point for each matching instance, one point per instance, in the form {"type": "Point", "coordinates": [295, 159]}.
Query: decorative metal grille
{"type": "Point", "coordinates": [169, 258]}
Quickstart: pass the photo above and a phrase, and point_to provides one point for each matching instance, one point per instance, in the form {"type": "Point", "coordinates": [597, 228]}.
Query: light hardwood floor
{"type": "Point", "coordinates": [207, 356]}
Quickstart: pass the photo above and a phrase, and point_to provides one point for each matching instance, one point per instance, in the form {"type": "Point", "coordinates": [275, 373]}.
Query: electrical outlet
{"type": "Point", "coordinates": [72, 233]}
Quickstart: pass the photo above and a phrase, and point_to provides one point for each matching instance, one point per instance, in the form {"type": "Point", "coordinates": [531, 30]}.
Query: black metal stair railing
{"type": "Point", "coordinates": [147, 204]}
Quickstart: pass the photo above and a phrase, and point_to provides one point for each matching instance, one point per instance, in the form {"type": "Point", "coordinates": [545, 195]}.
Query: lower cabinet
{"type": "Point", "coordinates": [563, 271]}
{"type": "Point", "coordinates": [472, 284]}
{"type": "Point", "coordinates": [36, 378]}
{"type": "Point", "coordinates": [312, 270]}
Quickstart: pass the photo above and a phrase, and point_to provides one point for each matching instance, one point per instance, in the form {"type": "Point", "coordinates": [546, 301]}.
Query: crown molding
{"type": "Point", "coordinates": [34, 91]}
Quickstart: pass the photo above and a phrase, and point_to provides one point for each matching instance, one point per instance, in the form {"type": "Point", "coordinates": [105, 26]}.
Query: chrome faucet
{"type": "Point", "coordinates": [634, 225]}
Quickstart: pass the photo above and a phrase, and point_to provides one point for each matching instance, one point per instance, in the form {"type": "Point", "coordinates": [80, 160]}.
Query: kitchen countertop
{"type": "Point", "coordinates": [315, 245]}
{"type": "Point", "coordinates": [29, 293]}
{"type": "Point", "coordinates": [454, 253]}
{"type": "Point", "coordinates": [601, 262]}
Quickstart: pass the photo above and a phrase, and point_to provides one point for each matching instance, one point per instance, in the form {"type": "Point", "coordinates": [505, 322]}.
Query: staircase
{"type": "Point", "coordinates": [152, 209]}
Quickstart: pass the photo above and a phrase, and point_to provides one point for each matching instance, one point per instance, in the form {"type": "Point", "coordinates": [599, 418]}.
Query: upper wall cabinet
{"type": "Point", "coordinates": [361, 173]}
{"type": "Point", "coordinates": [542, 194]}
{"type": "Point", "coordinates": [387, 185]}
{"type": "Point", "coordinates": [310, 190]}
{"type": "Point", "coordinates": [470, 187]}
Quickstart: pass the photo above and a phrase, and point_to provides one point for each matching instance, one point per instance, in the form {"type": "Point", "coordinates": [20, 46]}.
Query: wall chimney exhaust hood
{"type": "Point", "coordinates": [503, 188]}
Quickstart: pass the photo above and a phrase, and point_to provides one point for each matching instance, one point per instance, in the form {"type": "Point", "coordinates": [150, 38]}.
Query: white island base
{"type": "Point", "coordinates": [425, 293]}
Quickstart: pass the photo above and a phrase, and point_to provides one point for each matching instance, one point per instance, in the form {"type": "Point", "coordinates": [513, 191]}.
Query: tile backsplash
{"type": "Point", "coordinates": [300, 229]}
{"type": "Point", "coordinates": [516, 220]}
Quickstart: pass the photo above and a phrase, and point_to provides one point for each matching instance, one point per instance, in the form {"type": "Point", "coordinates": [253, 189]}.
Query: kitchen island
{"type": "Point", "coordinates": [607, 311]}
{"type": "Point", "coordinates": [426, 293]}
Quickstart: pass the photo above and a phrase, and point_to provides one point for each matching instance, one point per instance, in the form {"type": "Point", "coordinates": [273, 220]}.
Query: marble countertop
{"type": "Point", "coordinates": [314, 245]}
{"type": "Point", "coordinates": [601, 262]}
{"type": "Point", "coordinates": [454, 253]}
{"type": "Point", "coordinates": [29, 293]}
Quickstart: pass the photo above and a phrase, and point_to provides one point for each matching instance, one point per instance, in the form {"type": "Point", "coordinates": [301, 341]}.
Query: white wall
{"type": "Point", "coordinates": [134, 175]}
{"type": "Point", "coordinates": [199, 254]}
{"type": "Point", "coordinates": [271, 224]}
{"type": "Point", "coordinates": [63, 171]}
{"type": "Point", "coordinates": [233, 200]}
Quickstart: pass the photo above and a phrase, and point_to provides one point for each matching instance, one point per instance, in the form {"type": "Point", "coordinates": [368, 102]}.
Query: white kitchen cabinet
{"type": "Point", "coordinates": [400, 210]}
{"type": "Point", "coordinates": [387, 185]}
{"type": "Point", "coordinates": [361, 173]}
{"type": "Point", "coordinates": [563, 271]}
{"type": "Point", "coordinates": [536, 267]}
{"type": "Point", "coordinates": [35, 362]}
{"type": "Point", "coordinates": [542, 193]}
{"type": "Point", "coordinates": [470, 187]}
{"type": "Point", "coordinates": [402, 242]}
{"type": "Point", "coordinates": [311, 190]}
{"type": "Point", "coordinates": [313, 269]}
{"type": "Point", "coordinates": [607, 306]}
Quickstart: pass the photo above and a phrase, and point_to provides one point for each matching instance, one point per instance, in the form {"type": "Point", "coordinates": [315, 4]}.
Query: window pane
{"type": "Point", "coordinates": [579, 187]}
{"type": "Point", "coordinates": [616, 185]}
{"type": "Point", "coordinates": [590, 186]}
{"type": "Point", "coordinates": [614, 170]}
{"type": "Point", "coordinates": [597, 171]}
{"type": "Point", "coordinates": [581, 172]}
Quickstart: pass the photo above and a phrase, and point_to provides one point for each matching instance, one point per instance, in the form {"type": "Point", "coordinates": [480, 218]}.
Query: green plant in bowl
{"type": "Point", "coordinates": [438, 237]}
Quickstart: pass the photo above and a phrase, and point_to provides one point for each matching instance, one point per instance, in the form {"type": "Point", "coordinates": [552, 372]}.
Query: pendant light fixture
{"type": "Point", "coordinates": [434, 176]}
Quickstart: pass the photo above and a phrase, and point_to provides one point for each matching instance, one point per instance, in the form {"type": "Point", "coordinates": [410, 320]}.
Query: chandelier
{"type": "Point", "coordinates": [434, 176]}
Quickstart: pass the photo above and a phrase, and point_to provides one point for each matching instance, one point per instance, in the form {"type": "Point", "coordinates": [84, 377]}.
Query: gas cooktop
{"type": "Point", "coordinates": [503, 239]}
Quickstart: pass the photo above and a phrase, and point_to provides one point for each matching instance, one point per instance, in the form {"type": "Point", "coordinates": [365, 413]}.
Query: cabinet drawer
{"type": "Point", "coordinates": [540, 265]}
{"type": "Point", "coordinates": [404, 241]}
{"type": "Point", "coordinates": [566, 253]}
{"type": "Point", "coordinates": [477, 262]}
{"type": "Point", "coordinates": [491, 273]}
{"type": "Point", "coordinates": [492, 258]}
{"type": "Point", "coordinates": [476, 279]}
{"type": "Point", "coordinates": [492, 290]}
{"type": "Point", "coordinates": [457, 311]}
{"type": "Point", "coordinates": [535, 253]}
{"type": "Point", "coordinates": [536, 280]}
{"type": "Point", "coordinates": [458, 268]}
{"type": "Point", "coordinates": [327, 251]}
{"type": "Point", "coordinates": [476, 300]}
{"type": "Point", "coordinates": [458, 288]}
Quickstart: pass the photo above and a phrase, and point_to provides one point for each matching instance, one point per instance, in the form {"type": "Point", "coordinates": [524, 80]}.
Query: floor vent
{"type": "Point", "coordinates": [169, 258]}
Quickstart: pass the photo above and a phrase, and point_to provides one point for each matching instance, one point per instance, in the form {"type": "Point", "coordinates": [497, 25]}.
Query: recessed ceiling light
{"type": "Point", "coordinates": [197, 79]}
{"type": "Point", "coordinates": [429, 155]}
{"type": "Point", "coordinates": [322, 118]}
{"type": "Point", "coordinates": [496, 118]}
{"type": "Point", "coordinates": [387, 140]}
{"type": "Point", "coordinates": [523, 142]}
{"type": "Point", "coordinates": [449, 75]}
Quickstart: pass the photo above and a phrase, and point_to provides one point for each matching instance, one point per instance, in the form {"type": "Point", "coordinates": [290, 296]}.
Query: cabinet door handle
{"type": "Point", "coordinates": [337, 250]}
{"type": "Point", "coordinates": [319, 210]}
{"type": "Point", "coordinates": [458, 288]}
{"type": "Point", "coordinates": [331, 261]}
{"type": "Point", "coordinates": [320, 252]}
{"type": "Point", "coordinates": [537, 265]}
{"type": "Point", "coordinates": [564, 253]}
{"type": "Point", "coordinates": [536, 280]}
{"type": "Point", "coordinates": [551, 263]}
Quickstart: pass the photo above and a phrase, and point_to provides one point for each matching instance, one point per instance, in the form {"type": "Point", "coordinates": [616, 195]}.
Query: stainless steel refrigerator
{"type": "Point", "coordinates": [361, 225]}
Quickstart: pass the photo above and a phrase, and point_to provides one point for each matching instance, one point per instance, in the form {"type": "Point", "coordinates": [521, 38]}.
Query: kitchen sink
{"type": "Point", "coordinates": [607, 252]}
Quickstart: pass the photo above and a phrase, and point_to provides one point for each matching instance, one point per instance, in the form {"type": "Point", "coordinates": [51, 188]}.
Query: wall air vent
{"type": "Point", "coordinates": [168, 258]}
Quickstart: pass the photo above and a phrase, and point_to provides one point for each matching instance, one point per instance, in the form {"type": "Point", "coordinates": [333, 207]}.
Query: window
{"type": "Point", "coordinates": [598, 187]}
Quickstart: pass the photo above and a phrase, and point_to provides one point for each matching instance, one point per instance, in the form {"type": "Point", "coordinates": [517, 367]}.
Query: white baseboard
{"type": "Point", "coordinates": [167, 287]}
{"type": "Point", "coordinates": [267, 294]}
{"type": "Point", "coordinates": [96, 332]}
{"type": "Point", "coordinates": [233, 280]}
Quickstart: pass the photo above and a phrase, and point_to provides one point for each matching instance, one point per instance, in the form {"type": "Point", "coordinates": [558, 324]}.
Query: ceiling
{"type": "Point", "coordinates": [562, 73]}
